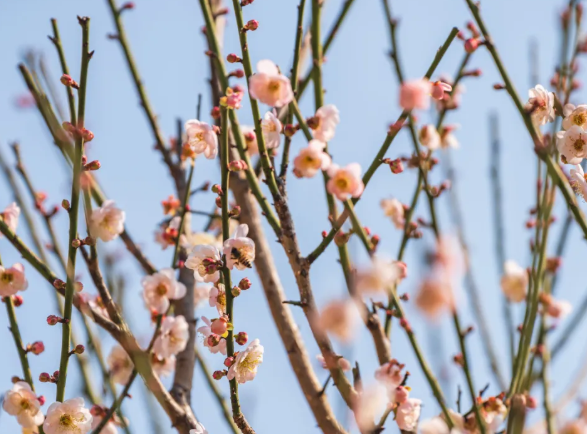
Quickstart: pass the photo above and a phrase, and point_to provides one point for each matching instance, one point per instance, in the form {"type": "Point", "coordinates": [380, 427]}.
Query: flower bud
{"type": "Point", "coordinates": [52, 320]}
{"type": "Point", "coordinates": [215, 112]}
{"type": "Point", "coordinates": [217, 375]}
{"type": "Point", "coordinates": [218, 202]}
{"type": "Point", "coordinates": [76, 243]}
{"type": "Point", "coordinates": [241, 338]}
{"type": "Point", "coordinates": [78, 287]}
{"type": "Point", "coordinates": [44, 377]}
{"type": "Point", "coordinates": [87, 135]}
{"type": "Point", "coordinates": [217, 189]}
{"type": "Point", "coordinates": [17, 300]}
{"type": "Point", "coordinates": [127, 6]}
{"type": "Point", "coordinates": [228, 362]}
{"type": "Point", "coordinates": [471, 45]}
{"type": "Point", "coordinates": [396, 166]}
{"type": "Point", "coordinates": [237, 73]}
{"type": "Point", "coordinates": [65, 204]}
{"type": "Point", "coordinates": [237, 166]}
{"type": "Point", "coordinates": [68, 81]}
{"type": "Point", "coordinates": [219, 326]}
{"type": "Point", "coordinates": [235, 212]}
{"type": "Point", "coordinates": [36, 348]}
{"type": "Point", "coordinates": [244, 284]}
{"type": "Point", "coordinates": [89, 241]}
{"type": "Point", "coordinates": [498, 86]}
{"type": "Point", "coordinates": [289, 130]}
{"type": "Point", "coordinates": [92, 165]}
{"type": "Point", "coordinates": [213, 340]}
{"type": "Point", "coordinates": [236, 291]}
{"type": "Point", "coordinates": [531, 402]}
{"type": "Point", "coordinates": [55, 377]}
{"type": "Point", "coordinates": [246, 2]}
{"type": "Point", "coordinates": [233, 58]}
{"type": "Point", "coordinates": [252, 25]}
{"type": "Point", "coordinates": [313, 122]}
{"type": "Point", "coordinates": [68, 126]}
{"type": "Point", "coordinates": [79, 349]}
{"type": "Point", "coordinates": [41, 399]}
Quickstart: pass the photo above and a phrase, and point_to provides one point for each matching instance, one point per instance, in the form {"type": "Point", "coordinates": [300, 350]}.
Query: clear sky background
{"type": "Point", "coordinates": [358, 76]}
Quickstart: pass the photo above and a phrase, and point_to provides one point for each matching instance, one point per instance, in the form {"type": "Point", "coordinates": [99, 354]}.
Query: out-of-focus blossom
{"type": "Point", "coordinates": [201, 294]}
{"type": "Point", "coordinates": [246, 363]}
{"type": "Point", "coordinates": [107, 222]}
{"type": "Point", "coordinates": [577, 426]}
{"type": "Point", "coordinates": [415, 94]}
{"type": "Point", "coordinates": [343, 363]}
{"type": "Point", "coordinates": [339, 317]}
{"type": "Point", "coordinates": [99, 413]}
{"type": "Point", "coordinates": [120, 365]}
{"type": "Point", "coordinates": [379, 276]}
{"type": "Point", "coordinates": [435, 295]}
{"type": "Point", "coordinates": [192, 239]}
{"type": "Point", "coordinates": [269, 86]}
{"type": "Point", "coordinates": [22, 402]}
{"type": "Point", "coordinates": [311, 159]}
{"type": "Point", "coordinates": [390, 374]}
{"type": "Point", "coordinates": [217, 298]}
{"type": "Point", "coordinates": [250, 139]}
{"type": "Point", "coordinates": [271, 127]}
{"type": "Point", "coordinates": [429, 137]}
{"type": "Point", "coordinates": [540, 105]}
{"type": "Point", "coordinates": [206, 331]}
{"type": "Point", "coordinates": [171, 205]}
{"type": "Point", "coordinates": [161, 287]}
{"type": "Point", "coordinates": [408, 413]}
{"type": "Point", "coordinates": [12, 280]}
{"type": "Point", "coordinates": [201, 138]}
{"type": "Point", "coordinates": [167, 233]}
{"type": "Point", "coordinates": [572, 144]}
{"type": "Point", "coordinates": [371, 404]}
{"type": "Point", "coordinates": [240, 249]}
{"type": "Point", "coordinates": [163, 367]}
{"type": "Point", "coordinates": [199, 429]}
{"type": "Point", "coordinates": [578, 181]}
{"type": "Point", "coordinates": [394, 209]}
{"type": "Point", "coordinates": [206, 262]}
{"type": "Point", "coordinates": [447, 139]}
{"type": "Point", "coordinates": [233, 98]}
{"type": "Point", "coordinates": [554, 308]}
{"type": "Point", "coordinates": [10, 216]}
{"type": "Point", "coordinates": [326, 119]}
{"type": "Point", "coordinates": [575, 116]}
{"type": "Point", "coordinates": [68, 417]}
{"type": "Point", "coordinates": [173, 337]}
{"type": "Point", "coordinates": [345, 182]}
{"type": "Point", "coordinates": [494, 413]}
{"type": "Point", "coordinates": [514, 282]}
{"type": "Point", "coordinates": [438, 89]}
{"type": "Point", "coordinates": [435, 425]}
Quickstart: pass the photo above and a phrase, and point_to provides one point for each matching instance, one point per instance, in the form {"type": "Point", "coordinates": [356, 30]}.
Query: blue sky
{"type": "Point", "coordinates": [169, 50]}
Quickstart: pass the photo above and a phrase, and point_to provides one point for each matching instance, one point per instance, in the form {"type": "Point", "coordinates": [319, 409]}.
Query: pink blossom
{"type": "Point", "coordinates": [163, 367]}
{"type": "Point", "coordinates": [415, 94]}
{"type": "Point", "coordinates": [394, 209]}
{"type": "Point", "coordinates": [161, 287]}
{"type": "Point", "coordinates": [390, 374]}
{"type": "Point", "coordinates": [435, 295]}
{"type": "Point", "coordinates": [199, 427]}
{"type": "Point", "coordinates": [378, 277]}
{"type": "Point", "coordinates": [327, 119]}
{"type": "Point", "coordinates": [572, 144]}
{"type": "Point", "coordinates": [206, 262]}
{"type": "Point", "coordinates": [12, 280]}
{"type": "Point", "coordinates": [311, 159]}
{"type": "Point", "coordinates": [22, 402]}
{"type": "Point", "coordinates": [68, 417]}
{"type": "Point", "coordinates": [345, 182]}
{"type": "Point", "coordinates": [408, 414]}
{"type": "Point", "coordinates": [206, 331]}
{"type": "Point", "coordinates": [173, 337]}
{"type": "Point", "coordinates": [429, 137]}
{"type": "Point", "coordinates": [246, 363]}
{"type": "Point", "coordinates": [217, 298]}
{"type": "Point", "coordinates": [339, 317]}
{"type": "Point", "coordinates": [371, 404]}
{"type": "Point", "coordinates": [557, 308]}
{"type": "Point", "coordinates": [540, 105]}
{"type": "Point", "coordinates": [578, 181]}
{"type": "Point", "coordinates": [269, 86]}
{"type": "Point", "coordinates": [250, 139]}
{"type": "Point", "coordinates": [271, 127]}
{"type": "Point", "coordinates": [10, 216]}
{"type": "Point", "coordinates": [343, 363]}
{"type": "Point", "coordinates": [109, 428]}
{"type": "Point", "coordinates": [120, 365]}
{"type": "Point", "coordinates": [239, 250]}
{"type": "Point", "coordinates": [438, 90]}
{"type": "Point", "coordinates": [201, 293]}
{"type": "Point", "coordinates": [202, 138]}
{"type": "Point", "coordinates": [167, 233]}
{"type": "Point", "coordinates": [107, 222]}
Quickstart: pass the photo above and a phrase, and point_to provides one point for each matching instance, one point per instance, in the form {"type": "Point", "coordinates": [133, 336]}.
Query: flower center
{"type": "Point", "coordinates": [221, 298]}
{"type": "Point", "coordinates": [66, 420]}
{"type": "Point", "coordinates": [579, 119]}
{"type": "Point", "coordinates": [309, 160]}
{"type": "Point", "coordinates": [199, 137]}
{"type": "Point", "coordinates": [579, 144]}
{"type": "Point", "coordinates": [6, 278]}
{"type": "Point", "coordinates": [25, 404]}
{"type": "Point", "coordinates": [342, 183]}
{"type": "Point", "coordinates": [250, 362]}
{"type": "Point", "coordinates": [161, 290]}
{"type": "Point", "coordinates": [274, 86]}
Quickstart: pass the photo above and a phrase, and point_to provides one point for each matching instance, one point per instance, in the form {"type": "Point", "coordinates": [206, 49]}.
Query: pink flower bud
{"type": "Point", "coordinates": [55, 376]}
{"type": "Point", "coordinates": [218, 202]}
{"type": "Point", "coordinates": [252, 25]}
{"type": "Point", "coordinates": [68, 81]}
{"type": "Point", "coordinates": [438, 89]}
{"type": "Point", "coordinates": [52, 320]}
{"type": "Point", "coordinates": [471, 45]}
{"type": "Point", "coordinates": [17, 300]}
{"type": "Point", "coordinates": [244, 284]}
{"type": "Point", "coordinates": [241, 338]}
{"type": "Point", "coordinates": [92, 165]}
{"type": "Point", "coordinates": [76, 243]}
{"type": "Point", "coordinates": [237, 165]}
{"type": "Point", "coordinates": [246, 2]}
{"type": "Point", "coordinates": [87, 135]}
{"type": "Point", "coordinates": [219, 326]}
{"type": "Point", "coordinates": [228, 362]}
{"type": "Point", "coordinates": [79, 349]}
{"type": "Point", "coordinates": [236, 291]}
{"type": "Point", "coordinates": [36, 348]}
{"type": "Point", "coordinates": [233, 58]}
{"type": "Point", "coordinates": [44, 377]}
{"type": "Point", "coordinates": [41, 399]}
{"type": "Point", "coordinates": [217, 375]}
{"type": "Point", "coordinates": [68, 126]}
{"type": "Point", "coordinates": [401, 394]}
{"type": "Point", "coordinates": [237, 73]}
{"type": "Point", "coordinates": [396, 166]}
{"type": "Point", "coordinates": [127, 6]}
{"type": "Point", "coordinates": [213, 340]}
{"type": "Point", "coordinates": [403, 269]}
{"type": "Point", "coordinates": [531, 402]}
{"type": "Point", "coordinates": [217, 189]}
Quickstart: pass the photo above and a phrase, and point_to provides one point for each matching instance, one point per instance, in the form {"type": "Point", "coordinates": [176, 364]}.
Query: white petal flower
{"type": "Point", "coordinates": [429, 137]}
{"type": "Point", "coordinates": [328, 118]}
{"type": "Point", "coordinates": [394, 209]}
{"type": "Point", "coordinates": [163, 367]}
{"type": "Point", "coordinates": [578, 181]}
{"type": "Point", "coordinates": [206, 331]}
{"type": "Point", "coordinates": [107, 222]}
{"type": "Point", "coordinates": [161, 287]}
{"type": "Point", "coordinates": [514, 282]}
{"type": "Point", "coordinates": [575, 116]}
{"type": "Point", "coordinates": [206, 262]}
{"type": "Point", "coordinates": [199, 429]}
{"type": "Point", "coordinates": [572, 144]}
{"type": "Point", "coordinates": [202, 138]}
{"type": "Point", "coordinates": [408, 414]}
{"type": "Point", "coordinates": [120, 365]}
{"type": "Point", "coordinates": [271, 127]}
{"type": "Point", "coordinates": [239, 250]}
{"type": "Point", "coordinates": [22, 402]}
{"type": "Point", "coordinates": [246, 363]}
{"type": "Point", "coordinates": [173, 337]}
{"type": "Point", "coordinates": [541, 105]}
{"type": "Point", "coordinates": [68, 417]}
{"type": "Point", "coordinates": [10, 216]}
